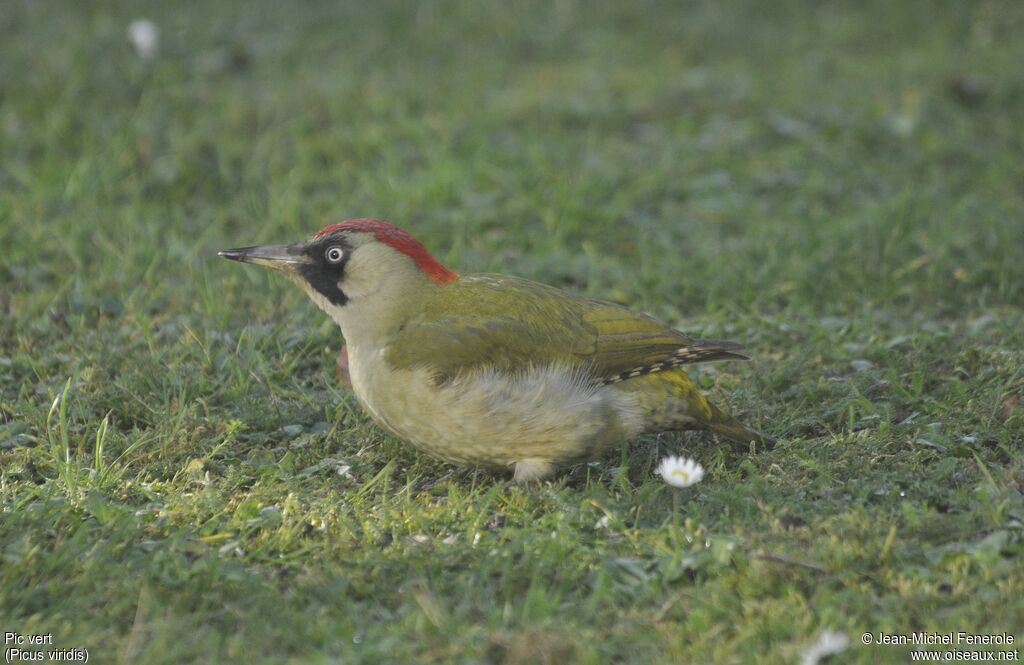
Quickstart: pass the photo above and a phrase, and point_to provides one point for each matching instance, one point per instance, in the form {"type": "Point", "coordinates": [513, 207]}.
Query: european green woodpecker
{"type": "Point", "coordinates": [494, 370]}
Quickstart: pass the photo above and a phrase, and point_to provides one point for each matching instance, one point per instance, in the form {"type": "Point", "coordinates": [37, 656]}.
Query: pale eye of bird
{"type": "Point", "coordinates": [334, 254]}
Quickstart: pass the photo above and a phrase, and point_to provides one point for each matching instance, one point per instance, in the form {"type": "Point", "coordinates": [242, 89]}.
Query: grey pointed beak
{"type": "Point", "coordinates": [278, 257]}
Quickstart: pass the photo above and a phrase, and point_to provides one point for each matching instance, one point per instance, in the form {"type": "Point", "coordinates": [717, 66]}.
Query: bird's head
{"type": "Point", "coordinates": [360, 271]}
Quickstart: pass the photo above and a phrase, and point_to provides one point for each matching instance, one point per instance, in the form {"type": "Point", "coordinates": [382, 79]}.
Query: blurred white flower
{"type": "Point", "coordinates": [144, 37]}
{"type": "Point", "coordinates": [829, 643]}
{"type": "Point", "coordinates": [680, 471]}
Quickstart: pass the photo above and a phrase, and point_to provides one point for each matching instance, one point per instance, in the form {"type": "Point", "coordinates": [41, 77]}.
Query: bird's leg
{"type": "Point", "coordinates": [341, 367]}
{"type": "Point", "coordinates": [529, 470]}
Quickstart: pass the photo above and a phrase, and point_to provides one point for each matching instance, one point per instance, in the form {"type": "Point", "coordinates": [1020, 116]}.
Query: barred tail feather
{"type": "Point", "coordinates": [697, 351]}
{"type": "Point", "coordinates": [707, 350]}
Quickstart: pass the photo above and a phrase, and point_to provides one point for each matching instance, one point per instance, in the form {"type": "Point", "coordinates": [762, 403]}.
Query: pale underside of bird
{"type": "Point", "coordinates": [494, 370]}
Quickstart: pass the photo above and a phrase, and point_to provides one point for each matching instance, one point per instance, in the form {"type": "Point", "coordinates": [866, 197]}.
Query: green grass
{"type": "Point", "coordinates": [838, 185]}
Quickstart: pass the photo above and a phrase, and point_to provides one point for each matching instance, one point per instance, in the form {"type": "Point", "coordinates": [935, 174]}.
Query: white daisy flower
{"type": "Point", "coordinates": [144, 37]}
{"type": "Point", "coordinates": [680, 471]}
{"type": "Point", "coordinates": [829, 643]}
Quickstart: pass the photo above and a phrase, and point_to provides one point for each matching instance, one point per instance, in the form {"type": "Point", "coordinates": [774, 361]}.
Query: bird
{"type": "Point", "coordinates": [493, 370]}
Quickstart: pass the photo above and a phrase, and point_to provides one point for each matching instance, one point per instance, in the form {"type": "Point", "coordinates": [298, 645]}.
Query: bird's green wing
{"type": "Point", "coordinates": [627, 339]}
{"type": "Point", "coordinates": [511, 324]}
{"type": "Point", "coordinates": [495, 321]}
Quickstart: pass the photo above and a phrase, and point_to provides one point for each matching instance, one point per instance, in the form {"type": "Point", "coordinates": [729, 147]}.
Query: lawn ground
{"type": "Point", "coordinates": [838, 185]}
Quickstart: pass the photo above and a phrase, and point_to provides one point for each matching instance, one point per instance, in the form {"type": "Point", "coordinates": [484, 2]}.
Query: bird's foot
{"type": "Point", "coordinates": [341, 367]}
{"type": "Point", "coordinates": [532, 470]}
